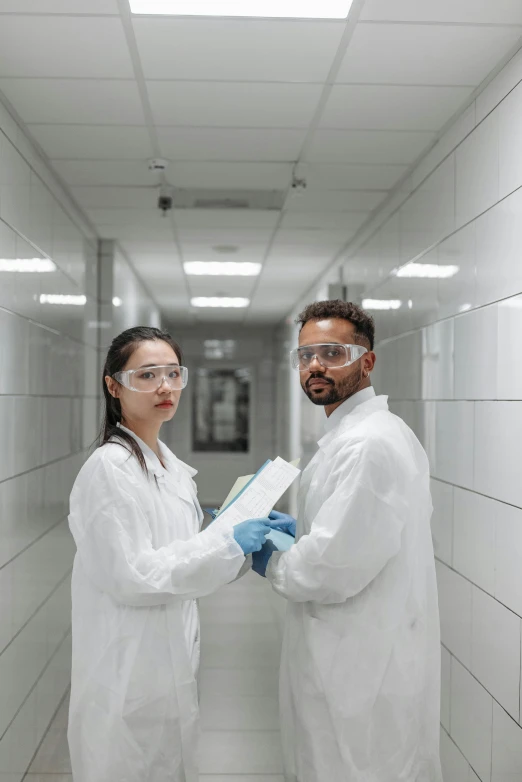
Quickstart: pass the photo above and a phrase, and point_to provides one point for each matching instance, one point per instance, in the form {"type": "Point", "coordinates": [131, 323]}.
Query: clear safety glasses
{"type": "Point", "coordinates": [329, 355]}
{"type": "Point", "coordinates": [150, 379]}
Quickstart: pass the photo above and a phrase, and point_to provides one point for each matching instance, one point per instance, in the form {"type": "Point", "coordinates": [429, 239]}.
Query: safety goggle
{"type": "Point", "coordinates": [150, 379]}
{"type": "Point", "coordinates": [330, 355]}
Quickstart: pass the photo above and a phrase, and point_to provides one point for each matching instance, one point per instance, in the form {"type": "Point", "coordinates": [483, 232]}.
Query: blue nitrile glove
{"type": "Point", "coordinates": [251, 535]}
{"type": "Point", "coordinates": [285, 523]}
{"type": "Point", "coordinates": [213, 512]}
{"type": "Point", "coordinates": [260, 559]}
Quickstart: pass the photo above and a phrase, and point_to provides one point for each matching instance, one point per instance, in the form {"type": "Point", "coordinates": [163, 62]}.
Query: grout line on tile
{"type": "Point", "coordinates": [49, 596]}
{"type": "Point", "coordinates": [53, 718]}
{"type": "Point", "coordinates": [42, 672]}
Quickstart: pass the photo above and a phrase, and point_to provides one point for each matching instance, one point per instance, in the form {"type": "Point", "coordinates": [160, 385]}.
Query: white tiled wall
{"type": "Point", "coordinates": [49, 417]}
{"type": "Point", "coordinates": [449, 360]}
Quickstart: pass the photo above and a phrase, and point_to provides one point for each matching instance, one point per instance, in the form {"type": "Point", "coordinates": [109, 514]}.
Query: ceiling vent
{"type": "Point", "coordinates": [265, 200]}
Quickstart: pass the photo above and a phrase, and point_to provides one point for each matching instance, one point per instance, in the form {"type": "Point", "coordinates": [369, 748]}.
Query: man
{"type": "Point", "coordinates": [360, 670]}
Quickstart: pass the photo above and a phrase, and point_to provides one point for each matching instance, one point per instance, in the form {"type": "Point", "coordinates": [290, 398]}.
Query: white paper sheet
{"type": "Point", "coordinates": [259, 498]}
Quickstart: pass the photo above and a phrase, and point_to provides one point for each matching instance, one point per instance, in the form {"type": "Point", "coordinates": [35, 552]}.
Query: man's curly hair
{"type": "Point", "coordinates": [335, 308]}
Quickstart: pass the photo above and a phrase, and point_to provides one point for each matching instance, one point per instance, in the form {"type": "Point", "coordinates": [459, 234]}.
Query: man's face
{"type": "Point", "coordinates": [331, 386]}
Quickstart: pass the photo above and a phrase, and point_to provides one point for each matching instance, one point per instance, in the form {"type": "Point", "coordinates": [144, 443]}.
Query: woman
{"type": "Point", "coordinates": [141, 561]}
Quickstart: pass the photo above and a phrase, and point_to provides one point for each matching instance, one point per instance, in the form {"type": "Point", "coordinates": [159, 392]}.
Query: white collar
{"type": "Point", "coordinates": [348, 406]}
{"type": "Point", "coordinates": [154, 465]}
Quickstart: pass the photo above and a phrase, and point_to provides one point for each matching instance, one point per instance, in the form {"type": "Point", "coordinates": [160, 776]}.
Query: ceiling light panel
{"type": "Point", "coordinates": [272, 9]}
{"type": "Point", "coordinates": [220, 302]}
{"type": "Point", "coordinates": [62, 298]}
{"type": "Point", "coordinates": [381, 304]}
{"type": "Point", "coordinates": [222, 269]}
{"type": "Point", "coordinates": [427, 271]}
{"type": "Point", "coordinates": [27, 265]}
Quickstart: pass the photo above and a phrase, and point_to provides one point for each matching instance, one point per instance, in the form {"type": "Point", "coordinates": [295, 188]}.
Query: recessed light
{"type": "Point", "coordinates": [431, 271]}
{"type": "Point", "coordinates": [117, 302]}
{"type": "Point", "coordinates": [62, 298]}
{"type": "Point", "coordinates": [27, 265]}
{"type": "Point", "coordinates": [221, 269]}
{"type": "Point", "coordinates": [219, 301]}
{"type": "Point", "coordinates": [381, 304]}
{"type": "Point", "coordinates": [290, 9]}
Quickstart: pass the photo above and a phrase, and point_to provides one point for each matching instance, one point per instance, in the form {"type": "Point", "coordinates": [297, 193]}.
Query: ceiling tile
{"type": "Point", "coordinates": [201, 219]}
{"type": "Point", "coordinates": [224, 237]}
{"type": "Point", "coordinates": [218, 315]}
{"type": "Point", "coordinates": [334, 200]}
{"type": "Point", "coordinates": [392, 108]}
{"type": "Point", "coordinates": [118, 173]}
{"type": "Point", "coordinates": [166, 271]}
{"type": "Point", "coordinates": [221, 286]}
{"type": "Point", "coordinates": [247, 176]}
{"type": "Point", "coordinates": [92, 47]}
{"type": "Point", "coordinates": [461, 11]}
{"type": "Point", "coordinates": [329, 177]}
{"type": "Point", "coordinates": [114, 197]}
{"type": "Point", "coordinates": [116, 217]}
{"type": "Point", "coordinates": [205, 144]}
{"type": "Point", "coordinates": [356, 146]}
{"type": "Point", "coordinates": [93, 142]}
{"type": "Point", "coordinates": [80, 101]}
{"type": "Point", "coordinates": [286, 252]}
{"type": "Point", "coordinates": [94, 7]}
{"type": "Point", "coordinates": [424, 54]}
{"type": "Point", "coordinates": [285, 277]}
{"type": "Point", "coordinates": [204, 252]}
{"type": "Point", "coordinates": [324, 242]}
{"type": "Point", "coordinates": [156, 249]}
{"type": "Point", "coordinates": [231, 50]}
{"type": "Point", "coordinates": [312, 237]}
{"type": "Point", "coordinates": [348, 221]}
{"type": "Point", "coordinates": [138, 231]}
{"type": "Point", "coordinates": [239, 105]}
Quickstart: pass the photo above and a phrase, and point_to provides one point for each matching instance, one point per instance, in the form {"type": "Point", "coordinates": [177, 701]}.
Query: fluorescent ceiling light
{"type": "Point", "coordinates": [293, 9]}
{"type": "Point", "coordinates": [219, 301]}
{"type": "Point", "coordinates": [427, 271]}
{"type": "Point", "coordinates": [27, 265]}
{"type": "Point", "coordinates": [381, 304]}
{"type": "Point", "coordinates": [222, 269]}
{"type": "Point", "coordinates": [117, 301]}
{"type": "Point", "coordinates": [61, 298]}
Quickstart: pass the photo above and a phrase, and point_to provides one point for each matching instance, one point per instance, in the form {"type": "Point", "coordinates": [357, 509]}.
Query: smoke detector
{"type": "Point", "coordinates": [158, 164]}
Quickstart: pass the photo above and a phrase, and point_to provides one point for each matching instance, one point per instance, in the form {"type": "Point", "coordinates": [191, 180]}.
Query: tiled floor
{"type": "Point", "coordinates": [238, 685]}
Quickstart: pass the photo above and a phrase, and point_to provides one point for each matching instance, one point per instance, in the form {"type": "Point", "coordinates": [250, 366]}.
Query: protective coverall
{"type": "Point", "coordinates": [141, 562]}
{"type": "Point", "coordinates": [360, 671]}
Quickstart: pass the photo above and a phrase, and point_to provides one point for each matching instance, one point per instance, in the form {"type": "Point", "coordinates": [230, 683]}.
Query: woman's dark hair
{"type": "Point", "coordinates": [345, 310]}
{"type": "Point", "coordinates": [120, 351]}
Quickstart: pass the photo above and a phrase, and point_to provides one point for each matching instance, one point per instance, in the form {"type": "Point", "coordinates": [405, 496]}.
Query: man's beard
{"type": "Point", "coordinates": [337, 392]}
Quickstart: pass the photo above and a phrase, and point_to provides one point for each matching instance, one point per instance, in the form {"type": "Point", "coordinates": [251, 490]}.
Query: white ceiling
{"type": "Point", "coordinates": [235, 103]}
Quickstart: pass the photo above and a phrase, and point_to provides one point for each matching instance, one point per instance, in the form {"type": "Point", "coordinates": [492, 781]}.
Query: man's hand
{"type": "Point", "coordinates": [285, 523]}
{"type": "Point", "coordinates": [260, 559]}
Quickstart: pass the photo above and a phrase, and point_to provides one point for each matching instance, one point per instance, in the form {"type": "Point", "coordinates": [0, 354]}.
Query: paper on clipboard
{"type": "Point", "coordinates": [259, 494]}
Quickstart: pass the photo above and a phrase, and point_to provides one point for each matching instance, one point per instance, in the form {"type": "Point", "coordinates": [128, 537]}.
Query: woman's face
{"type": "Point", "coordinates": [153, 407]}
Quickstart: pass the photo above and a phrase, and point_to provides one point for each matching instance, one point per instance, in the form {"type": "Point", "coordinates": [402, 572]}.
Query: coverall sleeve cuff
{"type": "Point", "coordinates": [273, 570]}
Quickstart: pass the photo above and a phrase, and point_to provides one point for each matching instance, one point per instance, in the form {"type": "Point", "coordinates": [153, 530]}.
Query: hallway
{"type": "Point", "coordinates": [212, 175]}
{"type": "Point", "coordinates": [240, 627]}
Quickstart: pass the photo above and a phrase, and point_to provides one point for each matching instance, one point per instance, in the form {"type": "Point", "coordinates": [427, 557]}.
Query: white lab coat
{"type": "Point", "coordinates": [141, 562]}
{"type": "Point", "coordinates": [360, 671]}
